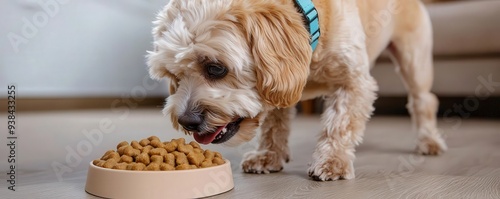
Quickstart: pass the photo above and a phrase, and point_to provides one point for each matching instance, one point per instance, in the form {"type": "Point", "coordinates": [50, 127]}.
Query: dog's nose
{"type": "Point", "coordinates": [191, 122]}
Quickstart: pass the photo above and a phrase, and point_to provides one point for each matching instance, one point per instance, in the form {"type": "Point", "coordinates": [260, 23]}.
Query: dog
{"type": "Point", "coordinates": [238, 65]}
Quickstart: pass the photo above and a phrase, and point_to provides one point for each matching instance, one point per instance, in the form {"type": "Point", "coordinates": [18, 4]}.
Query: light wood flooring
{"type": "Point", "coordinates": [386, 165]}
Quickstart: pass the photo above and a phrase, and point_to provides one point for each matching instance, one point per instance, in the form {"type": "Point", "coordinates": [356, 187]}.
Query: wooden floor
{"type": "Point", "coordinates": [386, 166]}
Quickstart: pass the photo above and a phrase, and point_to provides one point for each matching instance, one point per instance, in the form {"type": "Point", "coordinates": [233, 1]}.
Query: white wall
{"type": "Point", "coordinates": [97, 48]}
{"type": "Point", "coordinates": [77, 48]}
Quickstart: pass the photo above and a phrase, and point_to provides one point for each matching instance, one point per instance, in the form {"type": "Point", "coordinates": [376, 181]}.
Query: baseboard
{"type": "Point", "coordinates": [34, 104]}
{"type": "Point", "coordinates": [449, 107]}
{"type": "Point", "coordinates": [463, 107]}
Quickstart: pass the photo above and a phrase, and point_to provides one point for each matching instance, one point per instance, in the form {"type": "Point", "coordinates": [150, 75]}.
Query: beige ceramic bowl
{"type": "Point", "coordinates": [195, 183]}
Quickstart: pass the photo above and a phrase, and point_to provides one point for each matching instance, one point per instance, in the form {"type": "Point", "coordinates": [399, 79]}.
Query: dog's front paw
{"type": "Point", "coordinates": [333, 168]}
{"type": "Point", "coordinates": [264, 161]}
{"type": "Point", "coordinates": [431, 146]}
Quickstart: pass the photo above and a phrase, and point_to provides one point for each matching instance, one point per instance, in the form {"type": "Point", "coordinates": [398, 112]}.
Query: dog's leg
{"type": "Point", "coordinates": [273, 144]}
{"type": "Point", "coordinates": [347, 110]}
{"type": "Point", "coordinates": [412, 52]}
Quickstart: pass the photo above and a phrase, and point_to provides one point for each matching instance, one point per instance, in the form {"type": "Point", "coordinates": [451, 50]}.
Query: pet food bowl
{"type": "Point", "coordinates": [194, 183]}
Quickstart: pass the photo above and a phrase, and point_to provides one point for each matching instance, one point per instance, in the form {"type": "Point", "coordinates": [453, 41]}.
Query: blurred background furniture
{"type": "Point", "coordinates": [466, 53]}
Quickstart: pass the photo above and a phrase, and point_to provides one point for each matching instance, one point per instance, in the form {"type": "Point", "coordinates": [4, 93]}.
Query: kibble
{"type": "Point", "coordinates": [120, 166]}
{"type": "Point", "coordinates": [151, 138]}
{"type": "Point", "coordinates": [151, 154]}
{"type": "Point", "coordinates": [179, 141]}
{"type": "Point", "coordinates": [156, 144]}
{"type": "Point", "coordinates": [99, 163]}
{"type": "Point", "coordinates": [136, 145]}
{"type": "Point", "coordinates": [109, 163]}
{"type": "Point", "coordinates": [111, 155]}
{"type": "Point", "coordinates": [126, 159]}
{"type": "Point", "coordinates": [198, 150]}
{"type": "Point", "coordinates": [153, 166]}
{"type": "Point", "coordinates": [157, 151]}
{"type": "Point", "coordinates": [130, 151]}
{"type": "Point", "coordinates": [157, 159]}
{"type": "Point", "coordinates": [195, 158]}
{"type": "Point", "coordinates": [209, 155]}
{"type": "Point", "coordinates": [144, 142]}
{"type": "Point", "coordinates": [146, 149]}
{"type": "Point", "coordinates": [143, 158]}
{"type": "Point", "coordinates": [166, 167]}
{"type": "Point", "coordinates": [180, 158]}
{"type": "Point", "coordinates": [195, 145]}
{"type": "Point", "coordinates": [206, 163]}
{"type": "Point", "coordinates": [182, 167]}
{"type": "Point", "coordinates": [124, 143]}
{"type": "Point", "coordinates": [186, 149]}
{"type": "Point", "coordinates": [170, 146]}
{"type": "Point", "coordinates": [137, 167]}
{"type": "Point", "coordinates": [169, 158]}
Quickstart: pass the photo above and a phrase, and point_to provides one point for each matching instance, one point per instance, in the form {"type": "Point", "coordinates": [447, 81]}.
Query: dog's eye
{"type": "Point", "coordinates": [216, 71]}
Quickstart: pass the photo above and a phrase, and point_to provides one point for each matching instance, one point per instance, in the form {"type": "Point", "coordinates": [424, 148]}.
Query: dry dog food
{"type": "Point", "coordinates": [153, 155]}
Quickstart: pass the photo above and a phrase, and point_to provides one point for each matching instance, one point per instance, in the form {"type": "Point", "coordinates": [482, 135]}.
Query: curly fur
{"type": "Point", "coordinates": [265, 47]}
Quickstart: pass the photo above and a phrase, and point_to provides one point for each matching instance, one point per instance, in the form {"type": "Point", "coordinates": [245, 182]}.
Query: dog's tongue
{"type": "Point", "coordinates": [208, 137]}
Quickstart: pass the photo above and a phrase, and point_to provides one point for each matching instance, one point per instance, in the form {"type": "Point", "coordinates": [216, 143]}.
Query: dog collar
{"type": "Point", "coordinates": [310, 15]}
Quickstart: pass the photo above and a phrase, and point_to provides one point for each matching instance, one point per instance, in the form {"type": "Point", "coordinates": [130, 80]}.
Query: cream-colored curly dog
{"type": "Point", "coordinates": [237, 65]}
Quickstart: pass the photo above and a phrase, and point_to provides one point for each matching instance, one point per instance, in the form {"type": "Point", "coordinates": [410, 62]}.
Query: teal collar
{"type": "Point", "coordinates": [310, 15]}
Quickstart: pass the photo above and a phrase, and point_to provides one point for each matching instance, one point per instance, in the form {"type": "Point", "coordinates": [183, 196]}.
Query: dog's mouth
{"type": "Point", "coordinates": [219, 135]}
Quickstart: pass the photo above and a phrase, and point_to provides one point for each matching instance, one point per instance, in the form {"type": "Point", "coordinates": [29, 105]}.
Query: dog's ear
{"type": "Point", "coordinates": [157, 71]}
{"type": "Point", "coordinates": [280, 47]}
{"type": "Point", "coordinates": [173, 86]}
{"type": "Point", "coordinates": [155, 58]}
